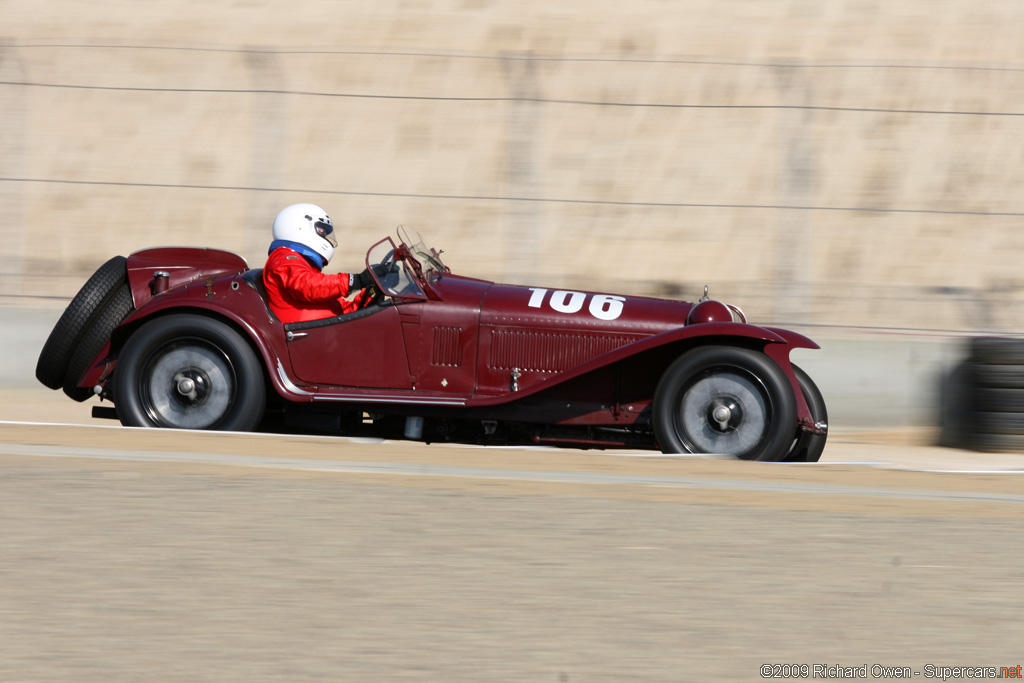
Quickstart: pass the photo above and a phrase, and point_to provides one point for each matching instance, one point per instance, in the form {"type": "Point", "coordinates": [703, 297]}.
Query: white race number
{"type": "Point", "coordinates": [567, 302]}
{"type": "Point", "coordinates": [602, 306]}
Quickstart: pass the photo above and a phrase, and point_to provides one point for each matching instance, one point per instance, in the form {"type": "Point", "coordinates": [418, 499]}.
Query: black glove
{"type": "Point", "coordinates": [364, 279]}
{"type": "Point", "coordinates": [360, 281]}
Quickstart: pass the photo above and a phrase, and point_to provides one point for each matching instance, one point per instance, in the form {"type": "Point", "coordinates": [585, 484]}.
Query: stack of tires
{"type": "Point", "coordinates": [983, 402]}
{"type": "Point", "coordinates": [84, 328]}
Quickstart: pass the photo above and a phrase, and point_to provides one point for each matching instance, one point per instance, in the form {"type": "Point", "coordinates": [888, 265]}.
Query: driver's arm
{"type": "Point", "coordinates": [305, 283]}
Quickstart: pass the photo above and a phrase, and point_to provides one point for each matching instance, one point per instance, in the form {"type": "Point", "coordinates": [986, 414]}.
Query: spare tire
{"type": "Point", "coordinates": [97, 333]}
{"type": "Point", "coordinates": [54, 359]}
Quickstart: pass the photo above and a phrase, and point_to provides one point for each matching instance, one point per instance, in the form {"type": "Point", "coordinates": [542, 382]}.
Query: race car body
{"type": "Point", "coordinates": [184, 338]}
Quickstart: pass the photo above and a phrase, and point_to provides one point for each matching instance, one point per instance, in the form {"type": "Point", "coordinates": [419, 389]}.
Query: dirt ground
{"type": "Point", "coordinates": [130, 555]}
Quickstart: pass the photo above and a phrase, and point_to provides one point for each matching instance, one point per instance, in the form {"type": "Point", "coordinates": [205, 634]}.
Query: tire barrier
{"type": "Point", "coordinates": [982, 402]}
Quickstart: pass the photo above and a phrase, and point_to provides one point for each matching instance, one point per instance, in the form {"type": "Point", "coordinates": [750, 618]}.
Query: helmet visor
{"type": "Point", "coordinates": [326, 230]}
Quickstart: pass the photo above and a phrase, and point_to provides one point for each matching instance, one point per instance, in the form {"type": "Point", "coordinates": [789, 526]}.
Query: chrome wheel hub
{"type": "Point", "coordinates": [190, 387]}
{"type": "Point", "coordinates": [724, 411]}
{"type": "Point", "coordinates": [187, 388]}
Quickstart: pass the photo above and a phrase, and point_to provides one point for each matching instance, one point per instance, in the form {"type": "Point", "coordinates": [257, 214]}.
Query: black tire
{"type": "Point", "coordinates": [95, 337]}
{"type": "Point", "coordinates": [52, 366]}
{"type": "Point", "coordinates": [998, 376]}
{"type": "Point", "coordinates": [958, 404]}
{"type": "Point", "coordinates": [999, 400]}
{"type": "Point", "coordinates": [991, 423]}
{"type": "Point", "coordinates": [994, 443]}
{"type": "Point", "coordinates": [998, 350]}
{"type": "Point", "coordinates": [725, 400]}
{"type": "Point", "coordinates": [808, 446]}
{"type": "Point", "coordinates": [189, 372]}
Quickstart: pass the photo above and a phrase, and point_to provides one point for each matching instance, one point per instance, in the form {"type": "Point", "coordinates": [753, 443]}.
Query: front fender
{"type": "Point", "coordinates": [794, 339]}
{"type": "Point", "coordinates": [683, 338]}
{"type": "Point", "coordinates": [780, 354]}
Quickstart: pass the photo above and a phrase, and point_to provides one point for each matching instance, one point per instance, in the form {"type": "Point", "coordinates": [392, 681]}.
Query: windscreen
{"type": "Point", "coordinates": [428, 257]}
{"type": "Point", "coordinates": [395, 278]}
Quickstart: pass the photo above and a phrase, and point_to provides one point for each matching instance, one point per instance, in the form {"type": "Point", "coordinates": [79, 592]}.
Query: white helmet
{"type": "Point", "coordinates": [307, 225]}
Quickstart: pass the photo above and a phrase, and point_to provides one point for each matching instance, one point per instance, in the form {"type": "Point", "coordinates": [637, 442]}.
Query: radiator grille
{"type": "Point", "coordinates": [447, 347]}
{"type": "Point", "coordinates": [550, 351]}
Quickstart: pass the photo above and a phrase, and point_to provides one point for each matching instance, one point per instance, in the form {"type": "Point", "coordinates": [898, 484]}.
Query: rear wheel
{"type": "Point", "coordinates": [189, 372]}
{"type": "Point", "coordinates": [725, 400]}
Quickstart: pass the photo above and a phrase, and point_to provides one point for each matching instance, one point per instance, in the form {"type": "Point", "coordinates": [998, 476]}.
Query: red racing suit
{"type": "Point", "coordinates": [297, 291]}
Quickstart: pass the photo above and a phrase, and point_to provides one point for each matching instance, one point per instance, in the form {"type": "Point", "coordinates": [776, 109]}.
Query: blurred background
{"type": "Point", "coordinates": [846, 168]}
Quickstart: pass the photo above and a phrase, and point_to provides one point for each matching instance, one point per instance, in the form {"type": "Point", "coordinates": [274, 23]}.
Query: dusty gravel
{"type": "Point", "coordinates": [468, 564]}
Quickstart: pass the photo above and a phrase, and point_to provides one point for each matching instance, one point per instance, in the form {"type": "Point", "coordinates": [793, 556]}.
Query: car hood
{"type": "Point", "coordinates": [570, 310]}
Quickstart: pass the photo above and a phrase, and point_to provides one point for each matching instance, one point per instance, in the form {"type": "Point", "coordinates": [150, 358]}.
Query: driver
{"type": "Point", "coordinates": [297, 290]}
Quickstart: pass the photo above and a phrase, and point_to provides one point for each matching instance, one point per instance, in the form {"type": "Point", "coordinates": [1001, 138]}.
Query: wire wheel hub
{"type": "Point", "coordinates": [724, 413]}
{"type": "Point", "coordinates": [189, 386]}
{"type": "Point", "coordinates": [724, 410]}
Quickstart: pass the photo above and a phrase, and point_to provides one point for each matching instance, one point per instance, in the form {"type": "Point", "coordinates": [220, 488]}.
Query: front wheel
{"type": "Point", "coordinates": [189, 372]}
{"type": "Point", "coordinates": [725, 400]}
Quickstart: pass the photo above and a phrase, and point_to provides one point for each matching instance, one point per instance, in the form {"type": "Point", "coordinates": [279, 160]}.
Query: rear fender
{"type": "Point", "coordinates": [182, 266]}
{"type": "Point", "coordinates": [249, 316]}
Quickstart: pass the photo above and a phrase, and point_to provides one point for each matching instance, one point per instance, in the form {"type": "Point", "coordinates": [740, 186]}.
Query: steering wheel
{"type": "Point", "coordinates": [386, 267]}
{"type": "Point", "coordinates": [373, 294]}
{"type": "Point", "coordinates": [387, 272]}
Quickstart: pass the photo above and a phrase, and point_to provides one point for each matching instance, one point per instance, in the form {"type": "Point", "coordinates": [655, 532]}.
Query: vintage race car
{"type": "Point", "coordinates": [183, 338]}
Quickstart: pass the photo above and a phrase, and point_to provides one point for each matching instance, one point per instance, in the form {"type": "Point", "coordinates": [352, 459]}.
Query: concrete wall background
{"type": "Point", "coordinates": [838, 164]}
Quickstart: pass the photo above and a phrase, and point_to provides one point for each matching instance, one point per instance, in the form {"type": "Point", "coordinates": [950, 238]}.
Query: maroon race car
{"type": "Point", "coordinates": [183, 338]}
